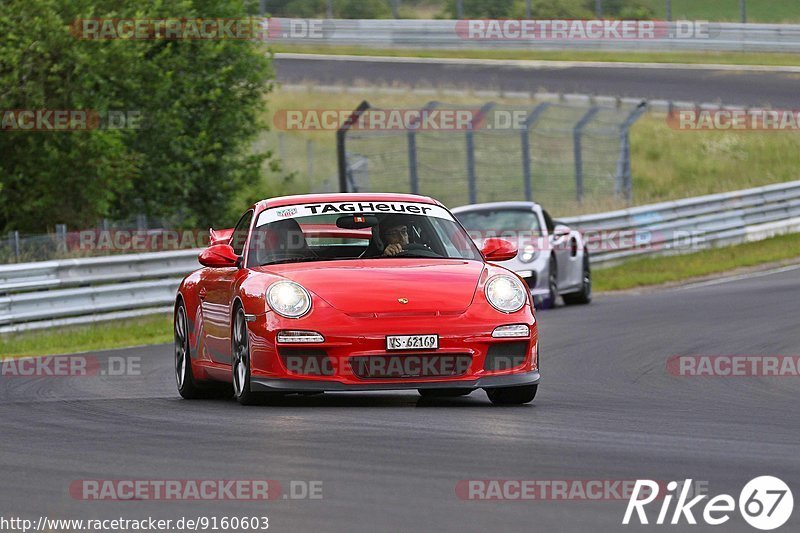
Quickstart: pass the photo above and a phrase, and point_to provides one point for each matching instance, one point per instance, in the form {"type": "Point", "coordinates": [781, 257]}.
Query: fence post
{"type": "Point", "coordinates": [310, 162]}
{"type": "Point", "coordinates": [13, 243]}
{"type": "Point", "coordinates": [141, 222]}
{"type": "Point", "coordinates": [525, 141]}
{"type": "Point", "coordinates": [61, 237]}
{"type": "Point", "coordinates": [411, 137]}
{"type": "Point", "coordinates": [576, 146]}
{"type": "Point", "coordinates": [742, 11]}
{"type": "Point", "coordinates": [472, 178]}
{"type": "Point", "coordinates": [668, 10]}
{"type": "Point", "coordinates": [413, 178]}
{"type": "Point", "coordinates": [623, 179]}
{"type": "Point", "coordinates": [341, 152]}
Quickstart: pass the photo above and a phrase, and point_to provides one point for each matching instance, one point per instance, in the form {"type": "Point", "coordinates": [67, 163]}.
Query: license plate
{"type": "Point", "coordinates": [412, 342]}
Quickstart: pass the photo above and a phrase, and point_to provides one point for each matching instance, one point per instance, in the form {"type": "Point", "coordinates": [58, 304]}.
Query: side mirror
{"type": "Point", "coordinates": [219, 256]}
{"type": "Point", "coordinates": [560, 231]}
{"type": "Point", "coordinates": [498, 250]}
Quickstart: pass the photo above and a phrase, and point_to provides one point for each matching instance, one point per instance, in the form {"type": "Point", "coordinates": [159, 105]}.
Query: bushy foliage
{"type": "Point", "coordinates": [198, 101]}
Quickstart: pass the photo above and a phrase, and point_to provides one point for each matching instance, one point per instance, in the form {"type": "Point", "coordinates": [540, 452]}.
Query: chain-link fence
{"type": "Point", "coordinates": [135, 235]}
{"type": "Point", "coordinates": [569, 157]}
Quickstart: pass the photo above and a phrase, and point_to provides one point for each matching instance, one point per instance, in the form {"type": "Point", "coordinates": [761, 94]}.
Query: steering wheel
{"type": "Point", "coordinates": [416, 249]}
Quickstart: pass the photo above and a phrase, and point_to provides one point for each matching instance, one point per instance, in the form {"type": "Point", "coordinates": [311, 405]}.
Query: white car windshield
{"type": "Point", "coordinates": [500, 220]}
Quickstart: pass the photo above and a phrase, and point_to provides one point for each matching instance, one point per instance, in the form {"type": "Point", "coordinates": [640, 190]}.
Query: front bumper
{"type": "Point", "coordinates": [303, 385]}
{"type": "Point", "coordinates": [469, 357]}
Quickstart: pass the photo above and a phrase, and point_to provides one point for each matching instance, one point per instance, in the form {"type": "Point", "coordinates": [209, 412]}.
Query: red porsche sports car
{"type": "Point", "coordinates": [353, 292]}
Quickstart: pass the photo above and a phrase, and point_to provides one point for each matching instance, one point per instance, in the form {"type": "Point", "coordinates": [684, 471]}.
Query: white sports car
{"type": "Point", "coordinates": [552, 258]}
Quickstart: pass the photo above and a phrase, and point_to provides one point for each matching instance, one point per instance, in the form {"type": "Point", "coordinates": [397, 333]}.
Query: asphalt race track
{"type": "Point", "coordinates": [607, 410]}
{"type": "Point", "coordinates": [695, 85]}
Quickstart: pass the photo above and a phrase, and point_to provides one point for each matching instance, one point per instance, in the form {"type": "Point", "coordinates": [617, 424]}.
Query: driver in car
{"type": "Point", "coordinates": [394, 234]}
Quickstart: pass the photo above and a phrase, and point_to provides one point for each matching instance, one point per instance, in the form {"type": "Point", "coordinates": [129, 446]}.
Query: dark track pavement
{"type": "Point", "coordinates": [774, 89]}
{"type": "Point", "coordinates": [607, 409]}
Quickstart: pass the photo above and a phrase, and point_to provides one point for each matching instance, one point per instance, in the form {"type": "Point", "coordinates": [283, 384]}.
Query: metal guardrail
{"type": "Point", "coordinates": [76, 291]}
{"type": "Point", "coordinates": [693, 223]}
{"type": "Point", "coordinates": [450, 34]}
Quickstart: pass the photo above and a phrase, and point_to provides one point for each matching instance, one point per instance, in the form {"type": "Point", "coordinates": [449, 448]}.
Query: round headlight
{"type": "Point", "coordinates": [288, 299]}
{"type": "Point", "coordinates": [505, 293]}
{"type": "Point", "coordinates": [528, 253]}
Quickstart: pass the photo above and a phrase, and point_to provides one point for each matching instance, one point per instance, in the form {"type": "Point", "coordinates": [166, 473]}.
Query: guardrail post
{"type": "Point", "coordinates": [622, 183]}
{"type": "Point", "coordinates": [530, 121]}
{"type": "Point", "coordinates": [577, 133]}
{"type": "Point", "coordinates": [341, 152]}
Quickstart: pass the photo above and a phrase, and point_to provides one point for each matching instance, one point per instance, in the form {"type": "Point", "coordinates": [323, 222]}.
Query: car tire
{"type": "Point", "coordinates": [584, 296]}
{"type": "Point", "coordinates": [240, 363]}
{"type": "Point", "coordinates": [512, 395]}
{"type": "Point", "coordinates": [549, 302]}
{"type": "Point", "coordinates": [443, 393]}
{"type": "Point", "coordinates": [187, 386]}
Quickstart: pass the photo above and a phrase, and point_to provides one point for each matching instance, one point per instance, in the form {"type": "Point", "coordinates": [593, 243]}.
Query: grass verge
{"type": "Point", "coordinates": [102, 336]}
{"type": "Point", "coordinates": [659, 270]}
{"type": "Point", "coordinates": [694, 58]}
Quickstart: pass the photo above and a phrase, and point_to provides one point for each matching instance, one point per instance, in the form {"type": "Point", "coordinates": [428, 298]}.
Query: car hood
{"type": "Point", "coordinates": [369, 286]}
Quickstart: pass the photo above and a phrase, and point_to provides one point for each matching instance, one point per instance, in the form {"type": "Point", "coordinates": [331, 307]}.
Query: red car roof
{"type": "Point", "coordinates": [342, 197]}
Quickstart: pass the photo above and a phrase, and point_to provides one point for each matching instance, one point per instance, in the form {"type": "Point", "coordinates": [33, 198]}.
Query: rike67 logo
{"type": "Point", "coordinates": [765, 503]}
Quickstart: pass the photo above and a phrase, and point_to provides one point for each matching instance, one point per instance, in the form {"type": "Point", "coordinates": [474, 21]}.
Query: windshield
{"type": "Point", "coordinates": [499, 221]}
{"type": "Point", "coordinates": [357, 230]}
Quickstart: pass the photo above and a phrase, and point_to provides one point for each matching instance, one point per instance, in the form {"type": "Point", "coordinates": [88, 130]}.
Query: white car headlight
{"type": "Point", "coordinates": [528, 253]}
{"type": "Point", "coordinates": [288, 299]}
{"type": "Point", "coordinates": [505, 293]}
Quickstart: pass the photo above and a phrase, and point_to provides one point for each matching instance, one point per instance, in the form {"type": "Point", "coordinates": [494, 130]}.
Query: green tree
{"type": "Point", "coordinates": [198, 100]}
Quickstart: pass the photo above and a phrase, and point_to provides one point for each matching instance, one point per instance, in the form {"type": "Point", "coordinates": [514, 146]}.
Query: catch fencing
{"type": "Point", "coordinates": [560, 154]}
